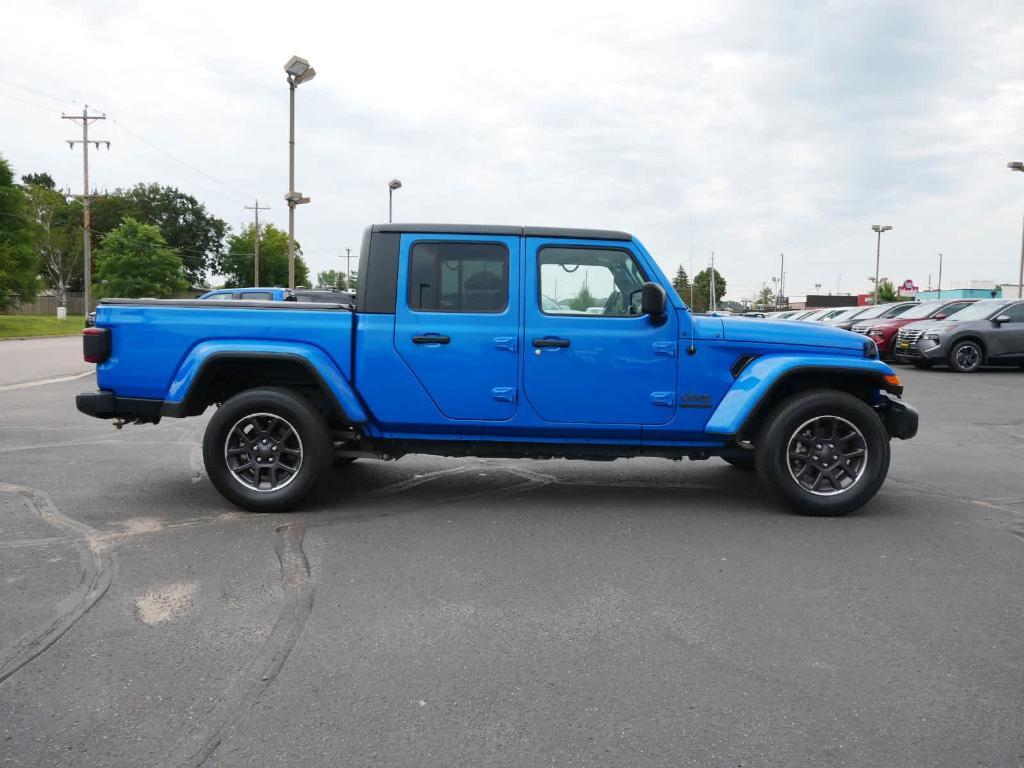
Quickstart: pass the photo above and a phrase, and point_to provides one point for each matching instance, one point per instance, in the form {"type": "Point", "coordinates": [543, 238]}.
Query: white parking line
{"type": "Point", "coordinates": [41, 382]}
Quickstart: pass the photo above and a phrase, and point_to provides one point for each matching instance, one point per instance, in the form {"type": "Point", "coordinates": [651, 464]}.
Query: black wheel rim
{"type": "Point", "coordinates": [967, 356]}
{"type": "Point", "coordinates": [827, 455]}
{"type": "Point", "coordinates": [263, 452]}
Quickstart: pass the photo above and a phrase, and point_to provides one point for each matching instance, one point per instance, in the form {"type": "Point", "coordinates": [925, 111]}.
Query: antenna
{"type": "Point", "coordinates": [692, 349]}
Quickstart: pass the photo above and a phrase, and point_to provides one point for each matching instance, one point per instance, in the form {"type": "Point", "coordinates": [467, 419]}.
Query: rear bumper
{"type": "Point", "coordinates": [899, 418]}
{"type": "Point", "coordinates": [103, 404]}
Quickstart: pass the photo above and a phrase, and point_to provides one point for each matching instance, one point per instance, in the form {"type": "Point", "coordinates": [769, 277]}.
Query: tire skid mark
{"type": "Point", "coordinates": [98, 568]}
{"type": "Point", "coordinates": [296, 578]}
{"type": "Point", "coordinates": [247, 687]}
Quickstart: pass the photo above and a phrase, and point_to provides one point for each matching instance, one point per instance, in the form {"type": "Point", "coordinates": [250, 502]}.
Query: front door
{"type": "Point", "coordinates": [589, 356]}
{"type": "Point", "coordinates": [457, 322]}
{"type": "Point", "coordinates": [1007, 341]}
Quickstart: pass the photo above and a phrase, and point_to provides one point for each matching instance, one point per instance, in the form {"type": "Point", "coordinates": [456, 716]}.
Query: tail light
{"type": "Point", "coordinates": [96, 344]}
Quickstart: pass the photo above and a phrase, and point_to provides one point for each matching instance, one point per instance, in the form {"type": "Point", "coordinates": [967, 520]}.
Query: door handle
{"type": "Point", "coordinates": [560, 343]}
{"type": "Point", "coordinates": [431, 338]}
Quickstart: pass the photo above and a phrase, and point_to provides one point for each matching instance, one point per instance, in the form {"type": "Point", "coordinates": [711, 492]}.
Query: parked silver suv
{"type": "Point", "coordinates": [989, 332]}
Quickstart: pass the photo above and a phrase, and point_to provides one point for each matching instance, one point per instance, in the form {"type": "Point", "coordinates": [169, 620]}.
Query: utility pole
{"type": "Point", "coordinates": [712, 286]}
{"type": "Point", "coordinates": [84, 120]}
{"type": "Point", "coordinates": [782, 276]}
{"type": "Point", "coordinates": [940, 276]}
{"type": "Point", "coordinates": [256, 208]}
{"type": "Point", "coordinates": [348, 268]}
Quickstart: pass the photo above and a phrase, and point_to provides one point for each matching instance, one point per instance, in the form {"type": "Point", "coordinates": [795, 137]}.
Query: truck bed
{"type": "Point", "coordinates": [162, 333]}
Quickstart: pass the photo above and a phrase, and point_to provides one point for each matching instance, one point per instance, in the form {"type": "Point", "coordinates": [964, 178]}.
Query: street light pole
{"type": "Point", "coordinates": [291, 182]}
{"type": "Point", "coordinates": [1018, 166]}
{"type": "Point", "coordinates": [392, 186]}
{"type": "Point", "coordinates": [879, 228]}
{"type": "Point", "coordinates": [940, 277]}
{"type": "Point", "coordinates": [298, 71]}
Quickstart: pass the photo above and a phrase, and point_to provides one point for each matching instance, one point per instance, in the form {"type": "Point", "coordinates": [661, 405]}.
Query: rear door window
{"type": "Point", "coordinates": [256, 296]}
{"type": "Point", "coordinates": [458, 277]}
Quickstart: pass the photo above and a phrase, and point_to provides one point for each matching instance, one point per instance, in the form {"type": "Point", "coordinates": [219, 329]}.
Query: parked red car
{"type": "Point", "coordinates": [883, 332]}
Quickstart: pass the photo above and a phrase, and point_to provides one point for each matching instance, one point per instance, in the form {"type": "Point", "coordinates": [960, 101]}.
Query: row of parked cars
{"type": "Point", "coordinates": [963, 333]}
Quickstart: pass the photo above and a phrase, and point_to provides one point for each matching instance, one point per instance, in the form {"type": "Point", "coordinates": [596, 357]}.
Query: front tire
{"type": "Point", "coordinates": [823, 453]}
{"type": "Point", "coordinates": [966, 356]}
{"type": "Point", "coordinates": [265, 449]}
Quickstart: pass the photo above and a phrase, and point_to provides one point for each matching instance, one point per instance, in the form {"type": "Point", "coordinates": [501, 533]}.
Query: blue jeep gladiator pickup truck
{"type": "Point", "coordinates": [503, 342]}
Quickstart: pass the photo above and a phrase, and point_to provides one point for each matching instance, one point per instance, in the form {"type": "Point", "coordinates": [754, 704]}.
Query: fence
{"type": "Point", "coordinates": [47, 305]}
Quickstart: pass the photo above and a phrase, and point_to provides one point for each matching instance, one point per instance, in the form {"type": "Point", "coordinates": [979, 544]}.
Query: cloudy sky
{"type": "Point", "coordinates": [746, 128]}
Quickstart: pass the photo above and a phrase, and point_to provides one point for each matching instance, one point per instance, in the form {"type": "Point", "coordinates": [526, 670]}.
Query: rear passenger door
{"type": "Point", "coordinates": [457, 321]}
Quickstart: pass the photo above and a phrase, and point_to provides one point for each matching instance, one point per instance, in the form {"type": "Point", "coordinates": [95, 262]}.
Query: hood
{"type": "Point", "coordinates": [788, 332]}
{"type": "Point", "coordinates": [926, 325]}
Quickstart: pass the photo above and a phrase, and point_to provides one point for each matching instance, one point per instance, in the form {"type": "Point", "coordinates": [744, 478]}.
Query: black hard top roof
{"type": "Point", "coordinates": [498, 229]}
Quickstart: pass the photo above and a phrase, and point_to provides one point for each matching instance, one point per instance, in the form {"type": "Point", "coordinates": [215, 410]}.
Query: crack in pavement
{"type": "Point", "coordinates": [98, 568]}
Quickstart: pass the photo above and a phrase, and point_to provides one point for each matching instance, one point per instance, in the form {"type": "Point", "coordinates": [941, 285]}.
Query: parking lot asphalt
{"type": "Point", "coordinates": [435, 612]}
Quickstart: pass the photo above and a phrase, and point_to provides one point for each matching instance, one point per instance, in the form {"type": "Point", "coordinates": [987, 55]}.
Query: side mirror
{"type": "Point", "coordinates": [940, 316]}
{"type": "Point", "coordinates": [652, 300]}
{"type": "Point", "coordinates": [1000, 319]}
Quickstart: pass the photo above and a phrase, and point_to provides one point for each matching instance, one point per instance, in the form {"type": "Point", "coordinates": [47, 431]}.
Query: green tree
{"type": "Point", "coordinates": [702, 289]}
{"type": "Point", "coordinates": [184, 222]}
{"type": "Point", "coordinates": [19, 264]}
{"type": "Point", "coordinates": [58, 237]}
{"type": "Point", "coordinates": [681, 282]}
{"type": "Point", "coordinates": [332, 279]}
{"type": "Point", "coordinates": [237, 264]}
{"type": "Point", "coordinates": [583, 300]}
{"type": "Point", "coordinates": [765, 298]}
{"type": "Point", "coordinates": [38, 180]}
{"type": "Point", "coordinates": [134, 261]}
{"type": "Point", "coordinates": [887, 292]}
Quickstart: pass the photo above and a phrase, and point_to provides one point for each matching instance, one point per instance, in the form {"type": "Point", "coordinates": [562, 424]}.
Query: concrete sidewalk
{"type": "Point", "coordinates": [25, 360]}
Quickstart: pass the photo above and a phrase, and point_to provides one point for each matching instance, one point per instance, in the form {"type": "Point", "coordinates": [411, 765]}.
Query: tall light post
{"type": "Point", "coordinates": [1018, 166]}
{"type": "Point", "coordinates": [940, 276]}
{"type": "Point", "coordinates": [879, 228]}
{"type": "Point", "coordinates": [392, 186]}
{"type": "Point", "coordinates": [298, 71]}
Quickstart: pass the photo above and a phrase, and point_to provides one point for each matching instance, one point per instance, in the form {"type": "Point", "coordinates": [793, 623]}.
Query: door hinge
{"type": "Point", "coordinates": [508, 343]}
{"type": "Point", "coordinates": [666, 348]}
{"type": "Point", "coordinates": [666, 399]}
{"type": "Point", "coordinates": [504, 394]}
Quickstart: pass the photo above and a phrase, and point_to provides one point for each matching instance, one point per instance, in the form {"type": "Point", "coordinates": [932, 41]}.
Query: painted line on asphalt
{"type": "Point", "coordinates": [41, 382]}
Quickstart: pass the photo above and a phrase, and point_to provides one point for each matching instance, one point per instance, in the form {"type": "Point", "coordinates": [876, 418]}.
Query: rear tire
{"type": "Point", "coordinates": [823, 453]}
{"type": "Point", "coordinates": [966, 356]}
{"type": "Point", "coordinates": [266, 449]}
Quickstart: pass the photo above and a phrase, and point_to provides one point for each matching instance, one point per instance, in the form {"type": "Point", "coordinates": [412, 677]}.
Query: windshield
{"type": "Point", "coordinates": [978, 311]}
{"type": "Point", "coordinates": [844, 314]}
{"type": "Point", "coordinates": [898, 310]}
{"type": "Point", "coordinates": [921, 311]}
{"type": "Point", "coordinates": [875, 311]}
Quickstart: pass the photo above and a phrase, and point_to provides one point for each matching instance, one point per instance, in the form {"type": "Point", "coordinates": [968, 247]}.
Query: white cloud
{"type": "Point", "coordinates": [772, 127]}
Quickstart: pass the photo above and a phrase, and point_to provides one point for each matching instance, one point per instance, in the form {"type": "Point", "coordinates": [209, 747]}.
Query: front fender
{"type": "Point", "coordinates": [758, 378]}
{"type": "Point", "coordinates": [313, 358]}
